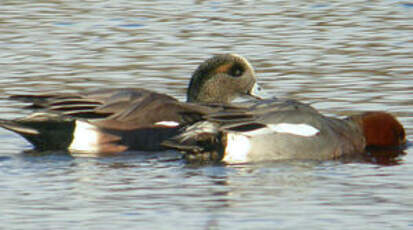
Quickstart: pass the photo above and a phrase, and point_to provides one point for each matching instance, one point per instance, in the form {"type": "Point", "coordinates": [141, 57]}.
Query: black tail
{"type": "Point", "coordinates": [43, 131]}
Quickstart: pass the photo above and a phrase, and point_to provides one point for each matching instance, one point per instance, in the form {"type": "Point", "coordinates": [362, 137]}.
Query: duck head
{"type": "Point", "coordinates": [223, 78]}
{"type": "Point", "coordinates": [381, 129]}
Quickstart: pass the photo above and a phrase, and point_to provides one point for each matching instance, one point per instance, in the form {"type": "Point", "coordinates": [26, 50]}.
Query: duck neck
{"type": "Point", "coordinates": [208, 92]}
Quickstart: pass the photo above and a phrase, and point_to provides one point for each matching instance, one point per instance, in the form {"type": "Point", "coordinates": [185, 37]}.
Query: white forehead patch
{"type": "Point", "coordinates": [237, 149]}
{"type": "Point", "coordinates": [167, 123]}
{"type": "Point", "coordinates": [304, 130]}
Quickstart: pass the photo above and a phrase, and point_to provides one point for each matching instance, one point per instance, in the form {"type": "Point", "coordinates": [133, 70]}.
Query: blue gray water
{"type": "Point", "coordinates": [342, 56]}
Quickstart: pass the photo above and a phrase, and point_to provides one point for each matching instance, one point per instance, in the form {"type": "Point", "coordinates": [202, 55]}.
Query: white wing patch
{"type": "Point", "coordinates": [167, 123]}
{"type": "Point", "coordinates": [85, 138]}
{"type": "Point", "coordinates": [304, 130]}
{"type": "Point", "coordinates": [237, 148]}
{"type": "Point", "coordinates": [296, 129]}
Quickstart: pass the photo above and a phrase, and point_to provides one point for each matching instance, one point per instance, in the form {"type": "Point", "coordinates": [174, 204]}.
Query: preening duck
{"type": "Point", "coordinates": [276, 129]}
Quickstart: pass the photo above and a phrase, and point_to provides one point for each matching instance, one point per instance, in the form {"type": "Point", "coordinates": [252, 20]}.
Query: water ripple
{"type": "Point", "coordinates": [342, 56]}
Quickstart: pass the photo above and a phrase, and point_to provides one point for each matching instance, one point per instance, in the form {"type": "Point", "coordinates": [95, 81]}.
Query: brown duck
{"type": "Point", "coordinates": [116, 120]}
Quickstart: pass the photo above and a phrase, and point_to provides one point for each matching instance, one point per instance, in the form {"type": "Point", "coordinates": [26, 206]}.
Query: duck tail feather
{"type": "Point", "coordinates": [43, 134]}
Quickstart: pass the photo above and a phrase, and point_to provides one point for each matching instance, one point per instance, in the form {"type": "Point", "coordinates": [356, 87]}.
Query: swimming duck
{"type": "Point", "coordinates": [116, 120]}
{"type": "Point", "coordinates": [277, 129]}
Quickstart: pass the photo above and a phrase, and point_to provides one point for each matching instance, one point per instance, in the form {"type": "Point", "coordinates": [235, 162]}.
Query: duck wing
{"type": "Point", "coordinates": [101, 103]}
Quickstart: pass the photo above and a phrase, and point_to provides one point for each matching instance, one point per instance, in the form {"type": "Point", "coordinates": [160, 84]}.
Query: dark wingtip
{"type": "Point", "coordinates": [198, 149]}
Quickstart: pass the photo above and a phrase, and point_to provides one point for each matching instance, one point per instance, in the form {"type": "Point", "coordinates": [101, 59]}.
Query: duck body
{"type": "Point", "coordinates": [116, 120]}
{"type": "Point", "coordinates": [278, 130]}
{"type": "Point", "coordinates": [294, 134]}
{"type": "Point", "coordinates": [101, 121]}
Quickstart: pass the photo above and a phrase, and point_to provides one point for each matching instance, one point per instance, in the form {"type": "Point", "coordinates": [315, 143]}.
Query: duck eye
{"type": "Point", "coordinates": [236, 70]}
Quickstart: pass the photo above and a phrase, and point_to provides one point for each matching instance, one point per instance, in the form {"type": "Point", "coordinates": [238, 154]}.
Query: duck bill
{"type": "Point", "coordinates": [257, 92]}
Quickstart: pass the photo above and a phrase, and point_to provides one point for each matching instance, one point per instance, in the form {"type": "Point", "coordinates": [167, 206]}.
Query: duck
{"type": "Point", "coordinates": [108, 121]}
{"type": "Point", "coordinates": [283, 129]}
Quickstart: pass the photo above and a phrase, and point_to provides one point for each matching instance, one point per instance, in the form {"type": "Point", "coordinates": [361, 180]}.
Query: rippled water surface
{"type": "Point", "coordinates": [342, 56]}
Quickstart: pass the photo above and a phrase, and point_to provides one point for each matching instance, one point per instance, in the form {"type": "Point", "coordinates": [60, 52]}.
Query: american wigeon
{"type": "Point", "coordinates": [283, 129]}
{"type": "Point", "coordinates": [115, 120]}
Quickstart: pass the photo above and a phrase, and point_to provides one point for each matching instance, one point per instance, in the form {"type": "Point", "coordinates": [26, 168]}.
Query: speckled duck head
{"type": "Point", "coordinates": [222, 79]}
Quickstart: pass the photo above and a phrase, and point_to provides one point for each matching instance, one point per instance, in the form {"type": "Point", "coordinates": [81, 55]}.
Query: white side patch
{"type": "Point", "coordinates": [295, 129]}
{"type": "Point", "coordinates": [237, 149]}
{"type": "Point", "coordinates": [167, 123]}
{"type": "Point", "coordinates": [85, 138]}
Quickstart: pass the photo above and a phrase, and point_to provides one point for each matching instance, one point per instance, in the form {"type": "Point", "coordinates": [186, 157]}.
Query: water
{"type": "Point", "coordinates": [342, 56]}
